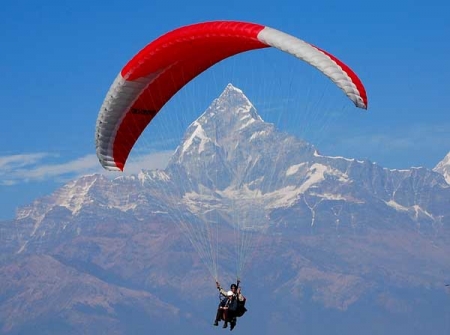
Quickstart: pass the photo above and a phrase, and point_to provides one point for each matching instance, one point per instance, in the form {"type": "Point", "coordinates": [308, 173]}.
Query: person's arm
{"type": "Point", "coordinates": [221, 290]}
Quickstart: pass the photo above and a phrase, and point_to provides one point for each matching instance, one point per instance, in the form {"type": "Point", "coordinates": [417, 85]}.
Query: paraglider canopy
{"type": "Point", "coordinates": [149, 80]}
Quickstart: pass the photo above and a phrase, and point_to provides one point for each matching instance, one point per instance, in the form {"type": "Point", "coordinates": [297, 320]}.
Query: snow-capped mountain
{"type": "Point", "coordinates": [337, 234]}
{"type": "Point", "coordinates": [443, 167]}
{"type": "Point", "coordinates": [229, 155]}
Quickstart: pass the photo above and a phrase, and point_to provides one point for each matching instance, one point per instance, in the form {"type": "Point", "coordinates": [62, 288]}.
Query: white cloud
{"type": "Point", "coordinates": [8, 162]}
{"type": "Point", "coordinates": [23, 168]}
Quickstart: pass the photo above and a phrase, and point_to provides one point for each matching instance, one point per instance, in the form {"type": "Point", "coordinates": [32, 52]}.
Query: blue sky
{"type": "Point", "coordinates": [59, 57]}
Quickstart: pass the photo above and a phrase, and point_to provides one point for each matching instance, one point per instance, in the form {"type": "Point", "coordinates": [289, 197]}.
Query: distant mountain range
{"type": "Point", "coordinates": [316, 238]}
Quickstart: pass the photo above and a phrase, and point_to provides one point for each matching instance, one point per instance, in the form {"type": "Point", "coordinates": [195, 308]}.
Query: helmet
{"type": "Point", "coordinates": [233, 286]}
{"type": "Point", "coordinates": [229, 293]}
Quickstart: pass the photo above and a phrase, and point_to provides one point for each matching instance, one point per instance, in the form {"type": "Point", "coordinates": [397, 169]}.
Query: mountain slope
{"type": "Point", "coordinates": [328, 238]}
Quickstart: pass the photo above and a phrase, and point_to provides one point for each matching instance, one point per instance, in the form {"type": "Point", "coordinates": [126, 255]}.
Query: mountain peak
{"type": "Point", "coordinates": [443, 167]}
{"type": "Point", "coordinates": [224, 121]}
{"type": "Point", "coordinates": [230, 87]}
{"type": "Point", "coordinates": [235, 102]}
{"type": "Point", "coordinates": [233, 92]}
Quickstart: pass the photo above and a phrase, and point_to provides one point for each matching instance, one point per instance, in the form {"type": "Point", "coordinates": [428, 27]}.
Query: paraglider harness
{"type": "Point", "coordinates": [240, 308]}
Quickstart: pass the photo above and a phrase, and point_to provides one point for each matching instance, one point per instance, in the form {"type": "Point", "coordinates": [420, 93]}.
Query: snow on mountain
{"type": "Point", "coordinates": [229, 155]}
{"type": "Point", "coordinates": [443, 167]}
{"type": "Point", "coordinates": [231, 112]}
{"type": "Point", "coordinates": [72, 196]}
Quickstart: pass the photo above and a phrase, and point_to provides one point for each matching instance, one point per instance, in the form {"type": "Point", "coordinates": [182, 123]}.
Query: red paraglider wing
{"type": "Point", "coordinates": [168, 63]}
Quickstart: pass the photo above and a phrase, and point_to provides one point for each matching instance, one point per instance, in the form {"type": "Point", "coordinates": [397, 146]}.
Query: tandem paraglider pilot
{"type": "Point", "coordinates": [231, 306]}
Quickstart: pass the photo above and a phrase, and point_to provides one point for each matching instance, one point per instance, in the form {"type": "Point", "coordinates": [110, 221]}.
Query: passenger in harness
{"type": "Point", "coordinates": [231, 306]}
